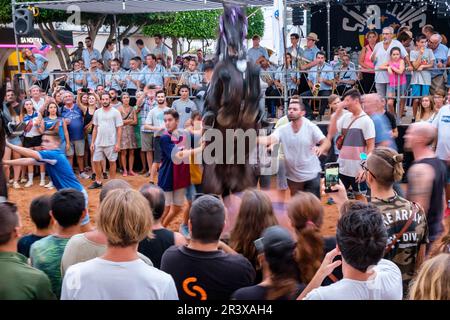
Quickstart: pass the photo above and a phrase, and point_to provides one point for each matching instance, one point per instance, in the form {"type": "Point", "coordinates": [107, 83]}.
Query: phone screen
{"type": "Point", "coordinates": [331, 176]}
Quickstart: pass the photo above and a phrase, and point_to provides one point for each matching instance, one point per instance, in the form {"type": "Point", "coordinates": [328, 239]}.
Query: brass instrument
{"type": "Point", "coordinates": [316, 87]}
{"type": "Point", "coordinates": [180, 83]}
{"type": "Point", "coordinates": [301, 62]}
{"type": "Point", "coordinates": [266, 77]}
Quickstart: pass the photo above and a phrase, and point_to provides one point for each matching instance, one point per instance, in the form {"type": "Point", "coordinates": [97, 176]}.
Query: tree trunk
{"type": "Point", "coordinates": [174, 48]}
{"type": "Point", "coordinates": [44, 30]}
{"type": "Point", "coordinates": [94, 27]}
{"type": "Point", "coordinates": [112, 33]}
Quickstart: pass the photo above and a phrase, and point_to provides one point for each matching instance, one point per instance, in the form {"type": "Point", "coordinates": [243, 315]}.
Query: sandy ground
{"type": "Point", "coordinates": [24, 196]}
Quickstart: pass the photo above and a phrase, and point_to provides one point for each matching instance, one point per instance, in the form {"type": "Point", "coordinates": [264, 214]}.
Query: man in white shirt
{"type": "Point", "coordinates": [361, 240]}
{"type": "Point", "coordinates": [105, 139]}
{"type": "Point", "coordinates": [299, 140]}
{"type": "Point", "coordinates": [381, 55]}
{"type": "Point", "coordinates": [119, 274]}
{"type": "Point", "coordinates": [37, 99]}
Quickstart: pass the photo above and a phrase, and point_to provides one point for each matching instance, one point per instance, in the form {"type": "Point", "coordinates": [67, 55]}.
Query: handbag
{"type": "Point", "coordinates": [340, 139]}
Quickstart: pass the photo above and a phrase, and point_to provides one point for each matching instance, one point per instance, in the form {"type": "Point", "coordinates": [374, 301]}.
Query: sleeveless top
{"type": "Point", "coordinates": [393, 78]}
{"type": "Point", "coordinates": [436, 205]}
{"type": "Point", "coordinates": [367, 60]}
{"type": "Point", "coordinates": [154, 248]}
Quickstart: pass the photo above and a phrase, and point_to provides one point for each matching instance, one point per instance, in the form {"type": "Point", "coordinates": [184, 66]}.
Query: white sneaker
{"type": "Point", "coordinates": [84, 175]}
{"type": "Point", "coordinates": [11, 181]}
{"type": "Point", "coordinates": [49, 185]}
{"type": "Point", "coordinates": [42, 183]}
{"type": "Point", "coordinates": [29, 184]}
{"type": "Point", "coordinates": [23, 180]}
{"type": "Point", "coordinates": [16, 185]}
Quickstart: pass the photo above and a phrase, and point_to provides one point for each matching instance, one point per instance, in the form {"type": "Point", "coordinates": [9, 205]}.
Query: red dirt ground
{"type": "Point", "coordinates": [23, 199]}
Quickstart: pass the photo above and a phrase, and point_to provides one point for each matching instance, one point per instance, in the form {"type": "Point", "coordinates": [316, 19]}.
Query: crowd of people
{"type": "Point", "coordinates": [391, 241]}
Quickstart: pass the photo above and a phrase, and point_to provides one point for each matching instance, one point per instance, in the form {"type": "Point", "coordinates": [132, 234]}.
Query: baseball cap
{"type": "Point", "coordinates": [275, 240]}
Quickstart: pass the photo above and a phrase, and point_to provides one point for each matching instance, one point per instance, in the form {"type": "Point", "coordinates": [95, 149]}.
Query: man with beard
{"type": "Point", "coordinates": [105, 139]}
{"type": "Point", "coordinates": [299, 139]}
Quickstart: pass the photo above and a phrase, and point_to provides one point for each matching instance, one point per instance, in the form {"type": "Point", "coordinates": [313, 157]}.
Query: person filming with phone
{"type": "Point", "coordinates": [303, 143]}
{"type": "Point", "coordinates": [356, 135]}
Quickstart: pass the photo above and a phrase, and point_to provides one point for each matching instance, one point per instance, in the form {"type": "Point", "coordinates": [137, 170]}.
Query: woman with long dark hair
{"type": "Point", "coordinates": [276, 255]}
{"type": "Point", "coordinates": [37, 65]}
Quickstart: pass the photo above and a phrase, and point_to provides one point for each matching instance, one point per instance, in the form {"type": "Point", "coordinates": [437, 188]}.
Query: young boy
{"type": "Point", "coordinates": [40, 215]}
{"type": "Point", "coordinates": [422, 59]}
{"type": "Point", "coordinates": [67, 209]}
{"type": "Point", "coordinates": [56, 165]}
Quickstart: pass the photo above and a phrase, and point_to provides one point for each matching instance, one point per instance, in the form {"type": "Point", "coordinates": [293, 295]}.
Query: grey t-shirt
{"type": "Point", "coordinates": [107, 122]}
{"type": "Point", "coordinates": [184, 109]}
{"type": "Point", "coordinates": [422, 77]}
{"type": "Point", "coordinates": [156, 118]}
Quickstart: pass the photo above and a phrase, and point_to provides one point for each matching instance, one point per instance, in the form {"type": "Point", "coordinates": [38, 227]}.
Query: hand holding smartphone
{"type": "Point", "coordinates": [331, 176]}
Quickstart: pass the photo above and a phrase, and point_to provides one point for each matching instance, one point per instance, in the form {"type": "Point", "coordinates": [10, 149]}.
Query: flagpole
{"type": "Point", "coordinates": [284, 58]}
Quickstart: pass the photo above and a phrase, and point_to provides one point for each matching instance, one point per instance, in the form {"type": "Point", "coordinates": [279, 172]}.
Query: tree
{"type": "Point", "coordinates": [46, 20]}
{"type": "Point", "coordinates": [196, 25]}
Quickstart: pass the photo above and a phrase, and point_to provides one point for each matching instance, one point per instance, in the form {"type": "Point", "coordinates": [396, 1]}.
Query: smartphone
{"type": "Point", "coordinates": [84, 89]}
{"type": "Point", "coordinates": [259, 245]}
{"type": "Point", "coordinates": [331, 176]}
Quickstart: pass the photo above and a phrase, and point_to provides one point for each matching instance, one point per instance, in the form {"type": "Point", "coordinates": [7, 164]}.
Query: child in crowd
{"type": "Point", "coordinates": [397, 78]}
{"type": "Point", "coordinates": [32, 138]}
{"type": "Point", "coordinates": [68, 208]}
{"type": "Point", "coordinates": [425, 111]}
{"type": "Point", "coordinates": [422, 59]}
{"type": "Point", "coordinates": [40, 216]}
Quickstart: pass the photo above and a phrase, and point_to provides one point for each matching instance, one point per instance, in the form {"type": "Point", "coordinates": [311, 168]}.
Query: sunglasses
{"type": "Point", "coordinates": [366, 169]}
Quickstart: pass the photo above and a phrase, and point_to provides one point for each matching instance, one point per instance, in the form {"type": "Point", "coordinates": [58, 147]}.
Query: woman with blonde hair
{"type": "Point", "coordinates": [125, 219]}
{"type": "Point", "coordinates": [433, 280]}
{"type": "Point", "coordinates": [255, 215]}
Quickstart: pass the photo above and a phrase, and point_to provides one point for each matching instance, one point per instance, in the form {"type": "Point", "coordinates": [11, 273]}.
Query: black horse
{"type": "Point", "coordinates": [232, 102]}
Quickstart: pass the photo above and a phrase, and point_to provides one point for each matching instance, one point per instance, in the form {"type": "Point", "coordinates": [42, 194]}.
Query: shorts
{"type": "Point", "coordinates": [393, 90]}
{"type": "Point", "coordinates": [86, 218]}
{"type": "Point", "coordinates": [100, 153]}
{"type": "Point", "coordinates": [420, 90]}
{"type": "Point", "coordinates": [78, 147]}
{"type": "Point", "coordinates": [15, 141]}
{"type": "Point", "coordinates": [156, 150]}
{"type": "Point", "coordinates": [147, 141]}
{"type": "Point", "coordinates": [32, 142]}
{"type": "Point", "coordinates": [192, 190]}
{"type": "Point", "coordinates": [176, 197]}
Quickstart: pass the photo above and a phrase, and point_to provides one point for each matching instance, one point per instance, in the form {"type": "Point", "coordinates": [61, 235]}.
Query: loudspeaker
{"type": "Point", "coordinates": [297, 16]}
{"type": "Point", "coordinates": [23, 20]}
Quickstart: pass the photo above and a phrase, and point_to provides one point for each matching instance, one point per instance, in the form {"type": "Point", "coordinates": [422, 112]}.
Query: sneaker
{"type": "Point", "coordinates": [42, 183]}
{"type": "Point", "coordinates": [16, 185]}
{"type": "Point", "coordinates": [11, 181]}
{"type": "Point", "coordinates": [95, 185]}
{"type": "Point", "coordinates": [23, 180]}
{"type": "Point", "coordinates": [105, 175]}
{"type": "Point", "coordinates": [84, 175]}
{"type": "Point", "coordinates": [49, 185]}
{"type": "Point", "coordinates": [29, 184]}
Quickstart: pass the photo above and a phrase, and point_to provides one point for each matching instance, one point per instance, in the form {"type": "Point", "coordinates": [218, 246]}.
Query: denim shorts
{"type": "Point", "coordinates": [393, 90]}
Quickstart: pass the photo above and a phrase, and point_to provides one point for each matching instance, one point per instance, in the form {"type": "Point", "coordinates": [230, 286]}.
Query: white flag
{"type": "Point", "coordinates": [277, 26]}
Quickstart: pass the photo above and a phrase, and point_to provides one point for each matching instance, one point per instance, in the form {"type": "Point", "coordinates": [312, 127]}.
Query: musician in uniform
{"type": "Point", "coordinates": [153, 73]}
{"type": "Point", "coordinates": [115, 78]}
{"type": "Point", "coordinates": [267, 76]}
{"type": "Point", "coordinates": [346, 76]}
{"type": "Point", "coordinates": [320, 80]}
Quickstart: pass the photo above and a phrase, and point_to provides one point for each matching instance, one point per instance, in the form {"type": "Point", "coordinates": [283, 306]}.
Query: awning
{"type": "Point", "coordinates": [146, 6]}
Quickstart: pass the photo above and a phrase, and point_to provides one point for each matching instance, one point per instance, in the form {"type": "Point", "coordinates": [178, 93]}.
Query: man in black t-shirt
{"type": "Point", "coordinates": [427, 176]}
{"type": "Point", "coordinates": [201, 270]}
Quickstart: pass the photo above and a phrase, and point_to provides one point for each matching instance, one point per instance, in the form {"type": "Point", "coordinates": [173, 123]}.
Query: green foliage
{"type": "Point", "coordinates": [196, 25]}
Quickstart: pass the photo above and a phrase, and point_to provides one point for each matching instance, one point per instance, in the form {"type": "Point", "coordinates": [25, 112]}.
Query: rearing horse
{"type": "Point", "coordinates": [232, 102]}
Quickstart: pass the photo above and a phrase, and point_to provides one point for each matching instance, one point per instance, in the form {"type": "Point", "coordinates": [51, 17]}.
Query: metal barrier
{"type": "Point", "coordinates": [172, 80]}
